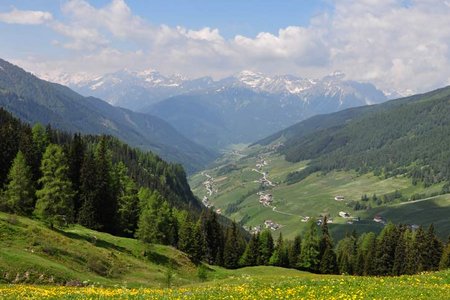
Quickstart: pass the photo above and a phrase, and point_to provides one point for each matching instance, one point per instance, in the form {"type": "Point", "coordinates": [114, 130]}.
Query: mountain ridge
{"type": "Point", "coordinates": [36, 100]}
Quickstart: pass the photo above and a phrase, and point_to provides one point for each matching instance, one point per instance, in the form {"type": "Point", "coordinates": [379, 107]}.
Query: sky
{"type": "Point", "coordinates": [398, 45]}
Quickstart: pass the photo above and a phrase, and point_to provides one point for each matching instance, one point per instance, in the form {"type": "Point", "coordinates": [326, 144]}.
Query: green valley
{"type": "Point", "coordinates": [236, 180]}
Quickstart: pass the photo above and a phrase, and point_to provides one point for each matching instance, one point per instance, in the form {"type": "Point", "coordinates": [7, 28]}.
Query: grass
{"type": "Point", "coordinates": [314, 196]}
{"type": "Point", "coordinates": [268, 285]}
{"type": "Point", "coordinates": [32, 253]}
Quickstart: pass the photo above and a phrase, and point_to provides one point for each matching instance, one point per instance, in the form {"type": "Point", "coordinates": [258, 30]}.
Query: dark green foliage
{"type": "Point", "coordinates": [251, 253]}
{"type": "Point", "coordinates": [328, 263]}
{"type": "Point", "coordinates": [266, 247]}
{"type": "Point", "coordinates": [386, 246]}
{"type": "Point", "coordinates": [19, 194]}
{"type": "Point", "coordinates": [280, 256]}
{"type": "Point", "coordinates": [294, 250]}
{"type": "Point", "coordinates": [445, 259]}
{"type": "Point", "coordinates": [213, 237]}
{"type": "Point", "coordinates": [232, 248]}
{"type": "Point", "coordinates": [309, 258]}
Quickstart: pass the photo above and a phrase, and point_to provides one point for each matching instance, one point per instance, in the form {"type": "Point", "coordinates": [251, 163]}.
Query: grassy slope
{"type": "Point", "coordinates": [81, 254]}
{"type": "Point", "coordinates": [315, 195]}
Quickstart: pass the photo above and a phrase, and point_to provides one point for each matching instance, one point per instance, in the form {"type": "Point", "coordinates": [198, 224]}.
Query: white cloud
{"type": "Point", "coordinates": [397, 46]}
{"type": "Point", "coordinates": [25, 17]}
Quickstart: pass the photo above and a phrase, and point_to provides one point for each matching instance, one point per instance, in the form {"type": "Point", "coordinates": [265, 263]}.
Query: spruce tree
{"type": "Point", "coordinates": [434, 250]}
{"type": "Point", "coordinates": [55, 199]}
{"type": "Point", "coordinates": [232, 249]}
{"type": "Point", "coordinates": [107, 199]}
{"type": "Point", "coordinates": [294, 251]}
{"type": "Point", "coordinates": [327, 256]}
{"type": "Point", "coordinates": [250, 257]}
{"type": "Point", "coordinates": [75, 158]}
{"type": "Point", "coordinates": [277, 258]}
{"type": "Point", "coordinates": [385, 254]}
{"type": "Point", "coordinates": [265, 247]}
{"type": "Point", "coordinates": [89, 194]}
{"type": "Point", "coordinates": [19, 194]}
{"type": "Point", "coordinates": [309, 255]}
{"type": "Point", "coordinates": [128, 201]}
{"type": "Point", "coordinates": [445, 258]}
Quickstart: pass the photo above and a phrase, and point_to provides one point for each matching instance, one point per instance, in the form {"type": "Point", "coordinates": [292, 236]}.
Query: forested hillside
{"type": "Point", "coordinates": [35, 100]}
{"type": "Point", "coordinates": [409, 135]}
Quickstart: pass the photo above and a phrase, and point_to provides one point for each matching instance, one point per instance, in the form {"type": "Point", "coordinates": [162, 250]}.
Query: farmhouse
{"type": "Point", "coordinates": [339, 198]}
{"type": "Point", "coordinates": [271, 225]}
{"type": "Point", "coordinates": [344, 214]}
{"type": "Point", "coordinates": [379, 219]}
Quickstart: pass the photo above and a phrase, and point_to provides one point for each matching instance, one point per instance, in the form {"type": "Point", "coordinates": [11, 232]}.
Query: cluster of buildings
{"type": "Point", "coordinates": [265, 199]}
{"type": "Point", "coordinates": [271, 225]}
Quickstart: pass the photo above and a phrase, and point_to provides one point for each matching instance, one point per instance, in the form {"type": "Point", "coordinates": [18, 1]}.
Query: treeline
{"type": "Point", "coordinates": [397, 250]}
{"type": "Point", "coordinates": [410, 137]}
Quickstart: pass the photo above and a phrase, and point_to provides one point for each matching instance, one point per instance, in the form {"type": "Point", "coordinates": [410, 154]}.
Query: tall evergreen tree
{"type": "Point", "coordinates": [75, 157]}
{"type": "Point", "coordinates": [214, 240]}
{"type": "Point", "coordinates": [309, 256]}
{"type": "Point", "coordinates": [107, 199]}
{"type": "Point", "coordinates": [328, 264]}
{"type": "Point", "coordinates": [385, 254]}
{"type": "Point", "coordinates": [280, 256]}
{"type": "Point", "coordinates": [434, 250]}
{"type": "Point", "coordinates": [251, 253]}
{"type": "Point", "coordinates": [294, 251]}
{"type": "Point", "coordinates": [445, 259]}
{"type": "Point", "coordinates": [19, 194]}
{"type": "Point", "coordinates": [265, 247]}
{"type": "Point", "coordinates": [128, 201]}
{"type": "Point", "coordinates": [55, 199]}
{"type": "Point", "coordinates": [89, 193]}
{"type": "Point", "coordinates": [232, 249]}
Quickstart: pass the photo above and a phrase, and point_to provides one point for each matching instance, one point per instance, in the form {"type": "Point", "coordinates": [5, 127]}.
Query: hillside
{"type": "Point", "coordinates": [406, 136]}
{"type": "Point", "coordinates": [35, 100]}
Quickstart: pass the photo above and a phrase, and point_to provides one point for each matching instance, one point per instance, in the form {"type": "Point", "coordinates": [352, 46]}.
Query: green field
{"type": "Point", "coordinates": [314, 196]}
{"type": "Point", "coordinates": [261, 283]}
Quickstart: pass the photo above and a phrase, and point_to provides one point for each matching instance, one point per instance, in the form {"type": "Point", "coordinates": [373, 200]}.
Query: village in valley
{"type": "Point", "coordinates": [267, 199]}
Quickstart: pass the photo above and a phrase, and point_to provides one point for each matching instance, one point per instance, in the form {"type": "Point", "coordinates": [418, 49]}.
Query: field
{"type": "Point", "coordinates": [246, 285]}
{"type": "Point", "coordinates": [236, 182]}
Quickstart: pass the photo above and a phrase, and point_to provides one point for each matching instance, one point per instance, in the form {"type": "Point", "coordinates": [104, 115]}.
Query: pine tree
{"type": "Point", "coordinates": [214, 240]}
{"type": "Point", "coordinates": [55, 200]}
{"type": "Point", "coordinates": [19, 194]}
{"type": "Point", "coordinates": [385, 254]}
{"type": "Point", "coordinates": [434, 250]}
{"type": "Point", "coordinates": [75, 158]}
{"type": "Point", "coordinates": [186, 229]}
{"type": "Point", "coordinates": [276, 258]}
{"type": "Point", "coordinates": [107, 199]}
{"type": "Point", "coordinates": [128, 201]}
{"type": "Point", "coordinates": [199, 243]}
{"type": "Point", "coordinates": [398, 267]}
{"type": "Point", "coordinates": [309, 255]}
{"type": "Point", "coordinates": [232, 249]}
{"type": "Point", "coordinates": [327, 256]}
{"type": "Point", "coordinates": [89, 193]}
{"type": "Point", "coordinates": [294, 251]}
{"type": "Point", "coordinates": [445, 259]}
{"type": "Point", "coordinates": [265, 247]}
{"type": "Point", "coordinates": [251, 253]}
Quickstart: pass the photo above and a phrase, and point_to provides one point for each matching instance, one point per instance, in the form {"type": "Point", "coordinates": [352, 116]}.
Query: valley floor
{"type": "Point", "coordinates": [246, 285]}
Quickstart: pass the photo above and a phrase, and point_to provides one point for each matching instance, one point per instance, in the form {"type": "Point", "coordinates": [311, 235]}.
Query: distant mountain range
{"type": "Point", "coordinates": [35, 100]}
{"type": "Point", "coordinates": [250, 106]}
{"type": "Point", "coordinates": [238, 109]}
